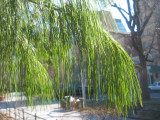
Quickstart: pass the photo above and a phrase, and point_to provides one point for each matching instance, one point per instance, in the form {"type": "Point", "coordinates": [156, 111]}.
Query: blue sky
{"type": "Point", "coordinates": [116, 13]}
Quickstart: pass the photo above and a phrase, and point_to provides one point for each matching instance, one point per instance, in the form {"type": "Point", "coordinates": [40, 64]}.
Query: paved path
{"type": "Point", "coordinates": [49, 112]}
{"type": "Point", "coordinates": [155, 94]}
{"type": "Point", "coordinates": [53, 112]}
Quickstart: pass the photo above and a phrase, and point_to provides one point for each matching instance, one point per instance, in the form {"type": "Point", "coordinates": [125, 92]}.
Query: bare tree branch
{"type": "Point", "coordinates": [151, 46]}
{"type": "Point", "coordinates": [137, 16]}
{"type": "Point", "coordinates": [149, 16]}
{"type": "Point", "coordinates": [115, 5]}
{"type": "Point", "coordinates": [120, 10]}
{"type": "Point", "coordinates": [135, 45]}
{"type": "Point", "coordinates": [134, 17]}
{"type": "Point", "coordinates": [146, 22]}
{"type": "Point", "coordinates": [129, 8]}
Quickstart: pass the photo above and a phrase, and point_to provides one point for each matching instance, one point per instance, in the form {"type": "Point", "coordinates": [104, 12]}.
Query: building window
{"type": "Point", "coordinates": [156, 75]}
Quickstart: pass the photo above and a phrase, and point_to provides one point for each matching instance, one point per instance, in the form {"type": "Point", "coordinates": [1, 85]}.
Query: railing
{"type": "Point", "coordinates": [19, 113]}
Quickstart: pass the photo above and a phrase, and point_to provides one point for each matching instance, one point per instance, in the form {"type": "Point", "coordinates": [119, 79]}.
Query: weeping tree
{"type": "Point", "coordinates": [36, 35]}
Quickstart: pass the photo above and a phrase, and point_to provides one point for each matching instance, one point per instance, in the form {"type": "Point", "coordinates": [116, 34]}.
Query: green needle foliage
{"type": "Point", "coordinates": [39, 36]}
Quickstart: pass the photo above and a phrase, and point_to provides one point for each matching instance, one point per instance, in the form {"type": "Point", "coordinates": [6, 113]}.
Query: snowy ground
{"type": "Point", "coordinates": [49, 112]}
{"type": "Point", "coordinates": [52, 112]}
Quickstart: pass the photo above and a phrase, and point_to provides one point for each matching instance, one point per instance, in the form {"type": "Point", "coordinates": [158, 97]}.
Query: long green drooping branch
{"type": "Point", "coordinates": [44, 50]}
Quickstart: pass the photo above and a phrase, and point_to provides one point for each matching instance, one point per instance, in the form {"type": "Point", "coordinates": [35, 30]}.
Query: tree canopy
{"type": "Point", "coordinates": [38, 34]}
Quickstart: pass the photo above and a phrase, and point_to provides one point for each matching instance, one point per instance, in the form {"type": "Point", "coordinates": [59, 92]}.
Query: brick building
{"type": "Point", "coordinates": [151, 37]}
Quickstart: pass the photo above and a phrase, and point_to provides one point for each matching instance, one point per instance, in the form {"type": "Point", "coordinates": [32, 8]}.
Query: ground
{"type": "Point", "coordinates": [6, 117]}
{"type": "Point", "coordinates": [150, 111]}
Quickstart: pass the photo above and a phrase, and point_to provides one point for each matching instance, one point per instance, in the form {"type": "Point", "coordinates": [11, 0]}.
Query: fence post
{"type": "Point", "coordinates": [9, 110]}
{"type": "Point", "coordinates": [6, 107]}
{"type": "Point", "coordinates": [35, 116]}
{"type": "Point", "coordinates": [23, 113]}
{"type": "Point", "coordinates": [15, 112]}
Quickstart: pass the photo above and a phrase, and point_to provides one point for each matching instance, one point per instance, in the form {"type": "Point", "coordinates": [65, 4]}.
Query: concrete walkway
{"type": "Point", "coordinates": [49, 112]}
{"type": "Point", "coordinates": [53, 112]}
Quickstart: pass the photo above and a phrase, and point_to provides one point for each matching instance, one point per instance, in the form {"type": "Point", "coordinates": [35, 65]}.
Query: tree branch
{"type": "Point", "coordinates": [149, 16]}
{"type": "Point", "coordinates": [135, 45]}
{"type": "Point", "coordinates": [151, 46]}
{"type": "Point", "coordinates": [129, 8]}
{"type": "Point", "coordinates": [115, 5]}
{"type": "Point", "coordinates": [134, 17]}
{"type": "Point", "coordinates": [146, 22]}
{"type": "Point", "coordinates": [137, 12]}
{"type": "Point", "coordinates": [120, 10]}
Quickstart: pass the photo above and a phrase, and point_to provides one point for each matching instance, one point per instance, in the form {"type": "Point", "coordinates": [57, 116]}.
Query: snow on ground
{"type": "Point", "coordinates": [49, 112]}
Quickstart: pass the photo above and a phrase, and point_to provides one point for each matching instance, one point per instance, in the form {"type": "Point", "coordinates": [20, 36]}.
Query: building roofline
{"type": "Point", "coordinates": [119, 32]}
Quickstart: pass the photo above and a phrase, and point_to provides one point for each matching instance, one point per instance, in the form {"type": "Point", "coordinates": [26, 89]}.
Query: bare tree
{"type": "Point", "coordinates": [157, 30]}
{"type": "Point", "coordinates": [153, 35]}
{"type": "Point", "coordinates": [136, 23]}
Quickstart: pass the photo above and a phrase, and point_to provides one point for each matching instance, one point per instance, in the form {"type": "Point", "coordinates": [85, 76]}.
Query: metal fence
{"type": "Point", "coordinates": [19, 113]}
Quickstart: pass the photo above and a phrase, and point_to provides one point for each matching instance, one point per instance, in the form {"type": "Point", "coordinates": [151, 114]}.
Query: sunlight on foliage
{"type": "Point", "coordinates": [68, 37]}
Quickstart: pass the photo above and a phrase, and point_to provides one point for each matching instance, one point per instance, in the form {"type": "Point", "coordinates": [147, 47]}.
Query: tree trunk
{"type": "Point", "coordinates": [144, 80]}
{"type": "Point", "coordinates": [83, 86]}
{"type": "Point", "coordinates": [143, 69]}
